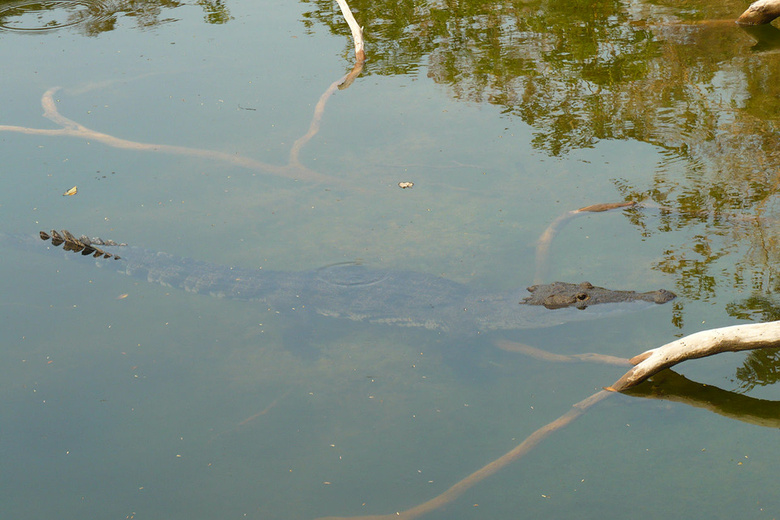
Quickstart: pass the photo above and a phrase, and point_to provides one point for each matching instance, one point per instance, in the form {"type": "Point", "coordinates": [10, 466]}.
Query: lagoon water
{"type": "Point", "coordinates": [122, 399]}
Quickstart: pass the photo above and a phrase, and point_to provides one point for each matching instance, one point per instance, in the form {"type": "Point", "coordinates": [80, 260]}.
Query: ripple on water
{"type": "Point", "coordinates": [50, 15]}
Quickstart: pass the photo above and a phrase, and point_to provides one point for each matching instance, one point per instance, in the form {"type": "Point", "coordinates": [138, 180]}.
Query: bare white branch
{"type": "Point", "coordinates": [760, 13]}
{"type": "Point", "coordinates": [357, 31]}
{"type": "Point", "coordinates": [699, 345]}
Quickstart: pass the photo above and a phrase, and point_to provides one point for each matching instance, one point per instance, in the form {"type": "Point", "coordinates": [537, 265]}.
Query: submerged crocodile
{"type": "Point", "coordinates": [353, 291]}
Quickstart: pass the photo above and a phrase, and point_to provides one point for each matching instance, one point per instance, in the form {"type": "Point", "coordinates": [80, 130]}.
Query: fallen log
{"type": "Point", "coordinates": [760, 13]}
{"type": "Point", "coordinates": [699, 345]}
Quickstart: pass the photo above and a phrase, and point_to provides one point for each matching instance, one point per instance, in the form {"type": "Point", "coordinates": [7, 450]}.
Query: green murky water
{"type": "Point", "coordinates": [168, 405]}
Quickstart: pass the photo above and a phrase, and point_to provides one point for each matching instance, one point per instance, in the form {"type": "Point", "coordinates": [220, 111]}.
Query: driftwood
{"type": "Point", "coordinates": [357, 31]}
{"type": "Point", "coordinates": [760, 13]}
{"type": "Point", "coordinates": [700, 344]}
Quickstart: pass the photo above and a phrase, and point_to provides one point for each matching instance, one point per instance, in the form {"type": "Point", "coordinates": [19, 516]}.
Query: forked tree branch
{"type": "Point", "coordinates": [701, 344]}
{"type": "Point", "coordinates": [71, 128]}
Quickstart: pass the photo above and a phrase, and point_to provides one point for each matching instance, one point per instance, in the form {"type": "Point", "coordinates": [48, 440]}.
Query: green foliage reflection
{"type": "Point", "coordinates": [93, 17]}
{"type": "Point", "coordinates": [682, 78]}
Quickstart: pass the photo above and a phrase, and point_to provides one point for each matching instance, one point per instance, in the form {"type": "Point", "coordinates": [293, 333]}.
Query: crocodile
{"type": "Point", "coordinates": [353, 291]}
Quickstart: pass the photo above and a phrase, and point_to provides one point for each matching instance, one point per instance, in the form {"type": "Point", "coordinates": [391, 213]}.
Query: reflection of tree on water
{"type": "Point", "coordinates": [92, 17]}
{"type": "Point", "coordinates": [705, 94]}
{"type": "Point", "coordinates": [215, 11]}
{"type": "Point", "coordinates": [579, 73]}
{"type": "Point", "coordinates": [582, 72]}
{"type": "Point", "coordinates": [761, 367]}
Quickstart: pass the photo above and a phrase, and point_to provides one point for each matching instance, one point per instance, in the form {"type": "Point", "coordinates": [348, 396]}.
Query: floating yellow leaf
{"type": "Point", "coordinates": [71, 191]}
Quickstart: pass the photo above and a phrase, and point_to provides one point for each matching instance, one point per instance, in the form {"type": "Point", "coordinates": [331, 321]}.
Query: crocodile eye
{"type": "Point", "coordinates": [581, 297]}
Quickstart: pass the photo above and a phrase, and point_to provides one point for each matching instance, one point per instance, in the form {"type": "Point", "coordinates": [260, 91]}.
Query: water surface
{"type": "Point", "coordinates": [164, 404]}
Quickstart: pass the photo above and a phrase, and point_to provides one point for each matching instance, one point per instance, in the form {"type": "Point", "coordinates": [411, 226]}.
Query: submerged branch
{"type": "Point", "coordinates": [71, 128]}
{"type": "Point", "coordinates": [459, 488]}
{"type": "Point", "coordinates": [700, 344]}
{"type": "Point", "coordinates": [546, 238]}
{"type": "Point", "coordinates": [589, 357]}
{"type": "Point", "coordinates": [293, 169]}
{"type": "Point", "coordinates": [340, 84]}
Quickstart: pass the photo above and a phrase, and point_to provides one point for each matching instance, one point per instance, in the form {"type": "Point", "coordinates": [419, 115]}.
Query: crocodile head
{"type": "Point", "coordinates": [558, 295]}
